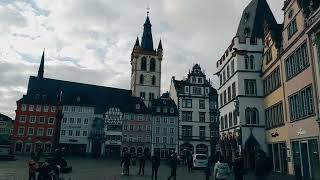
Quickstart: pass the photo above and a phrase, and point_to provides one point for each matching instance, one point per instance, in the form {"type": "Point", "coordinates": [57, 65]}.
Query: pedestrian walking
{"type": "Point", "coordinates": [262, 166]}
{"type": "Point", "coordinates": [238, 167]}
{"type": "Point", "coordinates": [33, 166]}
{"type": "Point", "coordinates": [155, 160]}
{"type": "Point", "coordinates": [189, 163]}
{"type": "Point", "coordinates": [207, 171]}
{"type": "Point", "coordinates": [126, 164]}
{"type": "Point", "coordinates": [142, 162]}
{"type": "Point", "coordinates": [122, 165]}
{"type": "Point", "coordinates": [221, 170]}
{"type": "Point", "coordinates": [173, 165]}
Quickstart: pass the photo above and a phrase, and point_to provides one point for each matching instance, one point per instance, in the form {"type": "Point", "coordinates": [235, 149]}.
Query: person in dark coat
{"type": "Point", "coordinates": [238, 167]}
{"type": "Point", "coordinates": [142, 162]}
{"type": "Point", "coordinates": [207, 171]}
{"type": "Point", "coordinates": [155, 160]}
{"type": "Point", "coordinates": [189, 162]}
{"type": "Point", "coordinates": [262, 166]}
{"type": "Point", "coordinates": [173, 165]}
{"type": "Point", "coordinates": [126, 164]}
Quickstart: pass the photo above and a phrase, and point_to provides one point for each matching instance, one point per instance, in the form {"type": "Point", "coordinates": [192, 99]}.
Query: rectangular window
{"type": "Point", "coordinates": [171, 131]}
{"type": "Point", "coordinates": [77, 133]}
{"type": "Point", "coordinates": [272, 81]}
{"type": "Point", "coordinates": [202, 104]}
{"type": "Point", "coordinates": [222, 123]}
{"type": "Point", "coordinates": [202, 131]}
{"type": "Point", "coordinates": [292, 28]}
{"type": "Point", "coordinates": [235, 119]}
{"type": "Point", "coordinates": [73, 109]}
{"type": "Point", "coordinates": [171, 120]}
{"type": "Point", "coordinates": [230, 119]}
{"type": "Point", "coordinates": [64, 120]}
{"type": "Point", "coordinates": [40, 132]}
{"type": "Point", "coordinates": [42, 120]}
{"type": "Point", "coordinates": [71, 120]}
{"type": "Point", "coordinates": [53, 109]}
{"type": "Point", "coordinates": [78, 120]}
{"type": "Point", "coordinates": [202, 117]}
{"type": "Point", "coordinates": [228, 72]}
{"type": "Point", "coordinates": [221, 100]}
{"type": "Point", "coordinates": [70, 132]}
{"type": "Point", "coordinates": [51, 120]}
{"type": "Point", "coordinates": [274, 116]}
{"type": "Point", "coordinates": [224, 97]}
{"type": "Point", "coordinates": [187, 103]}
{"type": "Point", "coordinates": [65, 108]}
{"type": "Point", "coordinates": [164, 140]}
{"type": "Point", "coordinates": [165, 120]}
{"type": "Point", "coordinates": [186, 116]}
{"type": "Point", "coordinates": [151, 96]}
{"type": "Point", "coordinates": [84, 133]}
{"type": "Point", "coordinates": [233, 93]}
{"type": "Point", "coordinates": [131, 127]}
{"type": "Point", "coordinates": [49, 132]}
{"type": "Point", "coordinates": [165, 131]}
{"type": "Point", "coordinates": [45, 108]}
{"type": "Point", "coordinates": [250, 87]}
{"type": "Point", "coordinates": [22, 118]}
{"type": "Point", "coordinates": [171, 140]}
{"type": "Point", "coordinates": [158, 119]}
{"type": "Point", "coordinates": [297, 61]}
{"type": "Point", "coordinates": [187, 131]}
{"type": "Point", "coordinates": [301, 104]}
{"type": "Point", "coordinates": [157, 139]}
{"type": "Point", "coordinates": [38, 108]}
{"type": "Point", "coordinates": [197, 90]}
{"type": "Point", "coordinates": [31, 107]}
{"type": "Point", "coordinates": [229, 93]}
{"type": "Point", "coordinates": [157, 130]}
{"type": "Point", "coordinates": [21, 131]}
{"type": "Point", "coordinates": [232, 66]}
{"type": "Point", "coordinates": [30, 131]}
{"type": "Point", "coordinates": [63, 132]}
{"type": "Point", "coordinates": [139, 139]}
{"type": "Point", "coordinates": [86, 121]}
{"type": "Point", "coordinates": [23, 107]}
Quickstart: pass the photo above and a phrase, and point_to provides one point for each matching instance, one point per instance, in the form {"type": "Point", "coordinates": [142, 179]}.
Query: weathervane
{"type": "Point", "coordinates": [148, 10]}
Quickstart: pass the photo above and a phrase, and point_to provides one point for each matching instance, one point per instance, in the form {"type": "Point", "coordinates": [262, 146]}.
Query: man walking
{"type": "Point", "coordinates": [173, 165]}
{"type": "Point", "coordinates": [155, 160]}
{"type": "Point", "coordinates": [189, 162]}
{"type": "Point", "coordinates": [142, 162]}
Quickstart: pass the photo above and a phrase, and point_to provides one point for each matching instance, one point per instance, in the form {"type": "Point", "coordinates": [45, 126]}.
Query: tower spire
{"type": "Point", "coordinates": [137, 42]}
{"type": "Point", "coordinates": [146, 41]}
{"type": "Point", "coordinates": [41, 67]}
{"type": "Point", "coordinates": [160, 45]}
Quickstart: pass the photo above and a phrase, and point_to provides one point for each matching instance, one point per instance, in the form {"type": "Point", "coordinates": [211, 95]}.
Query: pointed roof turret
{"type": "Point", "coordinates": [160, 45]}
{"type": "Point", "coordinates": [253, 18]}
{"type": "Point", "coordinates": [137, 42]}
{"type": "Point", "coordinates": [147, 42]}
{"type": "Point", "coordinates": [41, 67]}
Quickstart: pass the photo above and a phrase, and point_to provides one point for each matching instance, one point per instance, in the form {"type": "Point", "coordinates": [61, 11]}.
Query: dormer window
{"type": "Point", "coordinates": [164, 102]}
{"type": "Point", "coordinates": [193, 79]}
{"type": "Point", "coordinates": [246, 16]}
{"type": "Point", "coordinates": [158, 109]}
{"type": "Point", "coordinates": [165, 110]}
{"type": "Point", "coordinates": [200, 80]}
{"type": "Point", "coordinates": [137, 106]}
{"type": "Point", "coordinates": [246, 31]}
{"type": "Point", "coordinates": [171, 110]}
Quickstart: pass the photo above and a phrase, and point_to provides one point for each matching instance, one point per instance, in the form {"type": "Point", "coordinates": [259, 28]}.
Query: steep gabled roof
{"type": "Point", "coordinates": [253, 18]}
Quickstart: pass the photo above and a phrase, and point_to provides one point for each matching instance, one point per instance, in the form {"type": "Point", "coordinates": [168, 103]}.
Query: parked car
{"type": "Point", "coordinates": [200, 160]}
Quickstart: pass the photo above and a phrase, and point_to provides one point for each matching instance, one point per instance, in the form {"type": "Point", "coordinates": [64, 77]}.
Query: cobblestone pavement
{"type": "Point", "coordinates": [104, 169]}
{"type": "Point", "coordinates": [91, 169]}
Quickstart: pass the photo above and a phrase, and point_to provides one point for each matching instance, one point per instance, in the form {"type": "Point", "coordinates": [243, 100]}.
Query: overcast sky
{"type": "Point", "coordinates": [90, 41]}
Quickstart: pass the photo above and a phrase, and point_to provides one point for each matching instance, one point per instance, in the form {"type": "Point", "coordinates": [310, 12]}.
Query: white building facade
{"type": "Point", "coordinates": [75, 129]}
{"type": "Point", "coordinates": [192, 99]}
{"type": "Point", "coordinates": [242, 123]}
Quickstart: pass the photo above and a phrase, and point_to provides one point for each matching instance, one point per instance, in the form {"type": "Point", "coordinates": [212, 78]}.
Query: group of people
{"type": "Point", "coordinates": [222, 168]}
{"type": "Point", "coordinates": [155, 161]}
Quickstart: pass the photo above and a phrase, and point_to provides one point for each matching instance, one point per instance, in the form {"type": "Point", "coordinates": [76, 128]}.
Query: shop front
{"type": "Point", "coordinates": [305, 153]}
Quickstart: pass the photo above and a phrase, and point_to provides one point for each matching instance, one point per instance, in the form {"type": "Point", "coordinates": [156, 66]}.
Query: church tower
{"type": "Point", "coordinates": [146, 66]}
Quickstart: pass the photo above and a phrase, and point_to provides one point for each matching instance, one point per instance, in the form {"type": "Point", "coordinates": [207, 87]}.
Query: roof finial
{"type": "Point", "coordinates": [41, 67]}
{"type": "Point", "coordinates": [148, 10]}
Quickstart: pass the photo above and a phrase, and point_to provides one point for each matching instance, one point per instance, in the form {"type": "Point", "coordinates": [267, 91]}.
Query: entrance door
{"type": "Point", "coordinates": [305, 160]}
{"type": "Point", "coordinates": [164, 153]}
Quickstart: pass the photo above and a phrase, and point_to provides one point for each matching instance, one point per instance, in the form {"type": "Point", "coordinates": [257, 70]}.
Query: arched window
{"type": "Point", "coordinates": [247, 115]}
{"type": "Point", "coordinates": [251, 62]}
{"type": "Point", "coordinates": [252, 116]}
{"type": "Point", "coordinates": [143, 63]}
{"type": "Point", "coordinates": [152, 65]}
{"type": "Point", "coordinates": [153, 80]}
{"type": "Point", "coordinates": [141, 79]}
{"type": "Point", "coordinates": [246, 61]}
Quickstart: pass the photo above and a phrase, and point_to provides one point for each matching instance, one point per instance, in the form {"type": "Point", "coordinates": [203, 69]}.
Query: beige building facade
{"type": "Point", "coordinates": [300, 95]}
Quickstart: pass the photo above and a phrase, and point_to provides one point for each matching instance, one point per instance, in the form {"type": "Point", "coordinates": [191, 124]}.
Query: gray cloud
{"type": "Point", "coordinates": [91, 41]}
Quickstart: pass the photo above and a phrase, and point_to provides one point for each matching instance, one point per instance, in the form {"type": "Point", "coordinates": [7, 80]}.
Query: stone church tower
{"type": "Point", "coordinates": [146, 66]}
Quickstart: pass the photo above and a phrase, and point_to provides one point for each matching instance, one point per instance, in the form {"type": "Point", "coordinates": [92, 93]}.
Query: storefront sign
{"type": "Point", "coordinates": [301, 132]}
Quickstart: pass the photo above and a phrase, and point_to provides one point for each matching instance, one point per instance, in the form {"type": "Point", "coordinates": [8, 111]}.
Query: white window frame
{"type": "Point", "coordinates": [39, 130]}
{"type": "Point", "coordinates": [22, 117]}
{"type": "Point", "coordinates": [38, 108]}
{"type": "Point", "coordinates": [63, 132]}
{"type": "Point", "coordinates": [21, 134]}
{"type": "Point", "coordinates": [31, 107]}
{"type": "Point", "coordinates": [48, 132]}
{"type": "Point", "coordinates": [35, 119]}
{"type": "Point", "coordinates": [44, 120]}
{"type": "Point", "coordinates": [23, 107]}
{"type": "Point", "coordinates": [29, 131]}
{"type": "Point", "coordinates": [54, 119]}
{"type": "Point", "coordinates": [45, 108]}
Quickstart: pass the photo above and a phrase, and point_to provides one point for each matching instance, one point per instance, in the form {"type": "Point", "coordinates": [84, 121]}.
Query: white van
{"type": "Point", "coordinates": [200, 160]}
